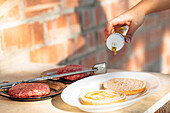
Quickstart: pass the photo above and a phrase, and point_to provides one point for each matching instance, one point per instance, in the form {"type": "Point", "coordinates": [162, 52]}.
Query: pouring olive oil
{"type": "Point", "coordinates": [116, 41]}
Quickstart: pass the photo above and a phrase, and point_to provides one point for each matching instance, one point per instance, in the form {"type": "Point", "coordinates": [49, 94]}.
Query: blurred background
{"type": "Point", "coordinates": [64, 32]}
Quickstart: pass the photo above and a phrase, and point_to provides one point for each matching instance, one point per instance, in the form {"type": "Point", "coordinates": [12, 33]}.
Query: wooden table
{"type": "Point", "coordinates": [56, 105]}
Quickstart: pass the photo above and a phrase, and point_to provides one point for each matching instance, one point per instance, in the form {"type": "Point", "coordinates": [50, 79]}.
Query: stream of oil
{"type": "Point", "coordinates": [114, 49]}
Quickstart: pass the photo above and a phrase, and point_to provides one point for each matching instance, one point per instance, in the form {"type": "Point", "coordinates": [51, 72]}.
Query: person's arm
{"type": "Point", "coordinates": [152, 6]}
{"type": "Point", "coordinates": [134, 17]}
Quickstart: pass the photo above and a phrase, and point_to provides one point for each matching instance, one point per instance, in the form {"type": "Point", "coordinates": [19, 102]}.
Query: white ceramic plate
{"type": "Point", "coordinates": [71, 94]}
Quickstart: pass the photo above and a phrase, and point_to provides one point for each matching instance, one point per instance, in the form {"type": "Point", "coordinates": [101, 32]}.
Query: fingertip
{"type": "Point", "coordinates": [105, 34]}
{"type": "Point", "coordinates": [105, 37]}
{"type": "Point", "coordinates": [128, 39]}
{"type": "Point", "coordinates": [105, 30]}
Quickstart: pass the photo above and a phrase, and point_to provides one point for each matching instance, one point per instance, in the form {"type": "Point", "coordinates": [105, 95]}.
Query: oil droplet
{"type": "Point", "coordinates": [120, 30]}
{"type": "Point", "coordinates": [114, 49]}
{"type": "Point", "coordinates": [100, 95]}
{"type": "Point", "coordinates": [115, 82]}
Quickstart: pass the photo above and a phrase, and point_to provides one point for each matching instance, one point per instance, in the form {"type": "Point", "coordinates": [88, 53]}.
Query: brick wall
{"type": "Point", "coordinates": [71, 31]}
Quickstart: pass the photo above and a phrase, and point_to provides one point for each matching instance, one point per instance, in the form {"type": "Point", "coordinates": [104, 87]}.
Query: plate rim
{"type": "Point", "coordinates": [114, 104]}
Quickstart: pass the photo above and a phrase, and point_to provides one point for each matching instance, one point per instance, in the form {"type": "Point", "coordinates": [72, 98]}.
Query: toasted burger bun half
{"type": "Point", "coordinates": [127, 86]}
{"type": "Point", "coordinates": [102, 97]}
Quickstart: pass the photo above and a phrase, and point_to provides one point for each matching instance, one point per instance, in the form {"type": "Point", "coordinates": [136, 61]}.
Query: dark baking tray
{"type": "Point", "coordinates": [55, 89]}
{"type": "Point", "coordinates": [54, 71]}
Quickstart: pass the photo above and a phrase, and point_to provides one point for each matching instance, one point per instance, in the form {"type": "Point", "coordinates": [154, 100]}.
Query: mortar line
{"type": "Point", "coordinates": [22, 10]}
{"type": "Point", "coordinates": [5, 5]}
{"type": "Point", "coordinates": [1, 43]}
{"type": "Point", "coordinates": [45, 32]}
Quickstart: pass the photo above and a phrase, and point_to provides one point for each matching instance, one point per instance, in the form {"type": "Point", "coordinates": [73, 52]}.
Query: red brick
{"type": "Point", "coordinates": [131, 66]}
{"type": "Point", "coordinates": [139, 60]}
{"type": "Point", "coordinates": [165, 46]}
{"type": "Point", "coordinates": [51, 29]}
{"type": "Point", "coordinates": [121, 66]}
{"type": "Point", "coordinates": [168, 71]}
{"type": "Point", "coordinates": [150, 20]}
{"type": "Point", "coordinates": [74, 22]}
{"type": "Point", "coordinates": [98, 15]}
{"type": "Point", "coordinates": [166, 31]}
{"type": "Point", "coordinates": [61, 21]}
{"type": "Point", "coordinates": [112, 59]}
{"type": "Point", "coordinates": [86, 2]}
{"type": "Point", "coordinates": [71, 3]}
{"type": "Point", "coordinates": [53, 54]}
{"type": "Point", "coordinates": [2, 19]}
{"type": "Point", "coordinates": [100, 37]}
{"type": "Point", "coordinates": [154, 35]}
{"type": "Point", "coordinates": [135, 63]}
{"type": "Point", "coordinates": [164, 64]}
{"type": "Point", "coordinates": [148, 69]}
{"type": "Point", "coordinates": [166, 39]}
{"type": "Point", "coordinates": [9, 38]}
{"type": "Point", "coordinates": [168, 61]}
{"type": "Point", "coordinates": [102, 56]}
{"type": "Point", "coordinates": [70, 47]}
{"type": "Point", "coordinates": [91, 41]}
{"type": "Point", "coordinates": [37, 55]}
{"type": "Point", "coordinates": [138, 42]}
{"type": "Point", "coordinates": [100, 0]}
{"type": "Point", "coordinates": [128, 65]}
{"type": "Point", "coordinates": [37, 7]}
{"type": "Point", "coordinates": [89, 61]}
{"type": "Point", "coordinates": [13, 36]}
{"type": "Point", "coordinates": [2, 1]}
{"type": "Point", "coordinates": [28, 3]}
{"type": "Point", "coordinates": [77, 3]}
{"type": "Point", "coordinates": [38, 12]}
{"type": "Point", "coordinates": [74, 18]}
{"type": "Point", "coordinates": [80, 44]}
{"type": "Point", "coordinates": [58, 27]}
{"type": "Point", "coordinates": [50, 24]}
{"type": "Point", "coordinates": [86, 19]}
{"type": "Point", "coordinates": [24, 36]}
{"type": "Point", "coordinates": [12, 15]}
{"type": "Point", "coordinates": [37, 33]}
{"type": "Point", "coordinates": [153, 53]}
{"type": "Point", "coordinates": [2, 44]}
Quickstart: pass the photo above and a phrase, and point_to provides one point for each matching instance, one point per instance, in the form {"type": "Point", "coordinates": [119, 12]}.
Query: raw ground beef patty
{"type": "Point", "coordinates": [72, 68]}
{"type": "Point", "coordinates": [25, 90]}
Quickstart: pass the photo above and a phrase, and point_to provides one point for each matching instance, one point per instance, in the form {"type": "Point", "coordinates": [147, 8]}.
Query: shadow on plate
{"type": "Point", "coordinates": [60, 104]}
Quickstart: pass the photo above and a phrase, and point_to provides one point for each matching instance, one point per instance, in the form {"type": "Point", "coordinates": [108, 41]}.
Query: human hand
{"type": "Point", "coordinates": [133, 18]}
